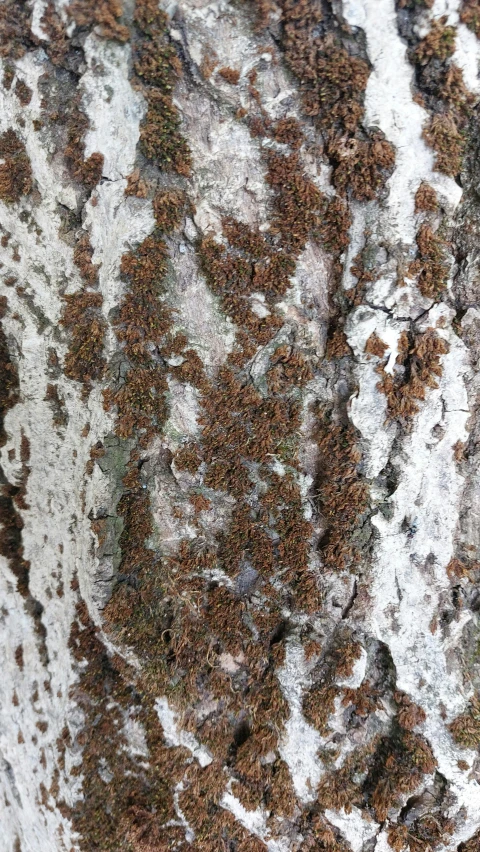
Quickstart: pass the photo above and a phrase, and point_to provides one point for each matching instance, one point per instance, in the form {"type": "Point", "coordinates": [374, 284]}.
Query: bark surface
{"type": "Point", "coordinates": [239, 446]}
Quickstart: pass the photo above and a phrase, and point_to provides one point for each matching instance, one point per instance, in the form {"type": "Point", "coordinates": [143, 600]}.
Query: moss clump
{"type": "Point", "coordinates": [470, 15]}
{"type": "Point", "coordinates": [84, 171]}
{"type": "Point", "coordinates": [400, 762]}
{"type": "Point", "coordinates": [168, 209]}
{"type": "Point", "coordinates": [419, 364]}
{"type": "Point", "coordinates": [15, 34]}
{"type": "Point", "coordinates": [439, 43]}
{"type": "Point", "coordinates": [102, 14]}
{"type": "Point", "coordinates": [430, 266]}
{"type": "Point", "coordinates": [361, 165]}
{"type": "Point", "coordinates": [443, 135]}
{"type": "Point", "coordinates": [82, 258]}
{"type": "Point", "coordinates": [425, 199]}
{"type": "Point", "coordinates": [15, 170]}
{"type": "Point", "coordinates": [465, 729]}
{"type": "Point", "coordinates": [9, 384]}
{"type": "Point", "coordinates": [298, 201]}
{"type": "Point", "coordinates": [230, 75]}
{"type": "Point", "coordinates": [23, 92]}
{"type": "Point", "coordinates": [445, 95]}
{"type": "Point", "coordinates": [288, 131]}
{"type": "Point", "coordinates": [83, 317]}
{"type": "Point", "coordinates": [342, 493]}
{"type": "Point", "coordinates": [158, 66]}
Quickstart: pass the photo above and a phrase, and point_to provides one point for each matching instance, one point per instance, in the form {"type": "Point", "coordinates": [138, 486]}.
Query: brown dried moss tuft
{"type": "Point", "coordinates": [342, 494]}
{"type": "Point", "coordinates": [361, 166]}
{"type": "Point", "coordinates": [157, 65]}
{"type": "Point", "coordinates": [444, 136]}
{"type": "Point", "coordinates": [83, 317]}
{"type": "Point", "coordinates": [400, 762]}
{"type": "Point", "coordinates": [439, 43]}
{"type": "Point", "coordinates": [15, 33]}
{"type": "Point", "coordinates": [420, 366]}
{"type": "Point", "coordinates": [470, 15]}
{"type": "Point", "coordinates": [9, 383]}
{"type": "Point", "coordinates": [230, 75]}
{"type": "Point", "coordinates": [431, 265]}
{"type": "Point", "coordinates": [15, 170]}
{"type": "Point", "coordinates": [168, 208]}
{"type": "Point", "coordinates": [103, 15]}
{"type": "Point", "coordinates": [465, 729]}
{"type": "Point", "coordinates": [23, 92]}
{"type": "Point", "coordinates": [84, 171]}
{"type": "Point", "coordinates": [425, 199]}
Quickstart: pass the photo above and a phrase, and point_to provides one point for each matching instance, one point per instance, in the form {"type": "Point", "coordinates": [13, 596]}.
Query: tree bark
{"type": "Point", "coordinates": [239, 491]}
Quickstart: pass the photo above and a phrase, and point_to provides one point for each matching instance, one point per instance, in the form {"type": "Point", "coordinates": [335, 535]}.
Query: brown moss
{"type": "Point", "coordinates": [103, 15]}
{"type": "Point", "coordinates": [447, 141]}
{"type": "Point", "coordinates": [187, 458]}
{"type": "Point", "coordinates": [470, 15]}
{"type": "Point", "coordinates": [298, 201]}
{"type": "Point", "coordinates": [332, 82]}
{"type": "Point", "coordinates": [23, 92]}
{"type": "Point", "coordinates": [425, 199]}
{"type": "Point", "coordinates": [160, 137]}
{"type": "Point", "coordinates": [82, 316]}
{"type": "Point", "coordinates": [342, 494]}
{"type": "Point", "coordinates": [439, 43]}
{"type": "Point", "coordinates": [230, 75]}
{"type": "Point", "coordinates": [134, 808]}
{"type": "Point", "coordinates": [427, 832]}
{"type": "Point", "coordinates": [409, 714]}
{"type": "Point", "coordinates": [9, 382]}
{"type": "Point", "coordinates": [19, 657]}
{"type": "Point", "coordinates": [168, 207]}
{"type": "Point", "coordinates": [412, 4]}
{"type": "Point", "coordinates": [465, 729]}
{"type": "Point", "coordinates": [82, 258]}
{"type": "Point", "coordinates": [399, 764]}
{"type": "Point", "coordinates": [15, 170]}
{"type": "Point", "coordinates": [15, 34]}
{"type": "Point", "coordinates": [361, 166]}
{"type": "Point", "coordinates": [136, 185]}
{"type": "Point", "coordinates": [471, 845]}
{"type": "Point", "coordinates": [158, 66]}
{"type": "Point", "coordinates": [420, 367]}
{"type": "Point", "coordinates": [334, 225]}
{"type": "Point", "coordinates": [87, 171]}
{"type": "Point", "coordinates": [288, 131]}
{"type": "Point", "coordinates": [375, 346]}
{"type": "Point", "coordinates": [140, 402]}
{"type": "Point", "coordinates": [431, 265]}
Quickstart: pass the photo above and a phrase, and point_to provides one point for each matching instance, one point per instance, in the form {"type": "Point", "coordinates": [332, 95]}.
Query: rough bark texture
{"type": "Point", "coordinates": [239, 488]}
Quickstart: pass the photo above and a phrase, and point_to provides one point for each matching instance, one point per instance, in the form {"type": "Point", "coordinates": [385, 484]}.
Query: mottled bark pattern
{"type": "Point", "coordinates": [239, 490]}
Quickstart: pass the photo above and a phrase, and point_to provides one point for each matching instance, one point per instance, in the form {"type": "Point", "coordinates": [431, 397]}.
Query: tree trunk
{"type": "Point", "coordinates": [240, 501]}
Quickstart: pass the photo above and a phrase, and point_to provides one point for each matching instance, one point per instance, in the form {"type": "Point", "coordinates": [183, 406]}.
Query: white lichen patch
{"type": "Point", "coordinates": [300, 741]}
{"type": "Point", "coordinates": [174, 736]}
{"type": "Point", "coordinates": [114, 108]}
{"type": "Point", "coordinates": [354, 827]}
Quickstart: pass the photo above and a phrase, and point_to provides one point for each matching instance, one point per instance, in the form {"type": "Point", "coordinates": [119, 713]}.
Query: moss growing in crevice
{"type": "Point", "coordinates": [15, 170]}
{"type": "Point", "coordinates": [465, 729]}
{"type": "Point", "coordinates": [333, 81]}
{"type": "Point", "coordinates": [83, 318]}
{"type": "Point", "coordinates": [443, 93]}
{"type": "Point", "coordinates": [157, 65]}
{"type": "Point", "coordinates": [418, 366]}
